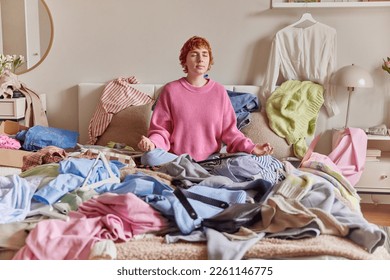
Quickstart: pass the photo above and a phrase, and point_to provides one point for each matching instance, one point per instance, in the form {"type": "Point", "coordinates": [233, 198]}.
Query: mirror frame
{"type": "Point", "coordinates": [49, 45]}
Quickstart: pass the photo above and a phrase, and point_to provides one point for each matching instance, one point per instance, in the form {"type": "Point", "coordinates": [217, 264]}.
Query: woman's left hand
{"type": "Point", "coordinates": [263, 149]}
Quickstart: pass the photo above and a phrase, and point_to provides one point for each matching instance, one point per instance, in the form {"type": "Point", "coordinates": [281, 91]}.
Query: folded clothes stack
{"type": "Point", "coordinates": [377, 130]}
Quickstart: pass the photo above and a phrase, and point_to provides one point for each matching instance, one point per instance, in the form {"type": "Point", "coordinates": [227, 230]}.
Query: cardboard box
{"type": "Point", "coordinates": [12, 158]}
{"type": "Point", "coordinates": [8, 157]}
{"type": "Point", "coordinates": [11, 127]}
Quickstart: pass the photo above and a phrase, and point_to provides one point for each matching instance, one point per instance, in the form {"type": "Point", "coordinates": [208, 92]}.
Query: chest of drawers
{"type": "Point", "coordinates": [374, 184]}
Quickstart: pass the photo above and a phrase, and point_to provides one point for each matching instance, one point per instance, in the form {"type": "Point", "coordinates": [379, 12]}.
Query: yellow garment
{"type": "Point", "coordinates": [292, 111]}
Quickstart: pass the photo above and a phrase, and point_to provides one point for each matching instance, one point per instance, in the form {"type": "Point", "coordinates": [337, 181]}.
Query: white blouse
{"type": "Point", "coordinates": [302, 54]}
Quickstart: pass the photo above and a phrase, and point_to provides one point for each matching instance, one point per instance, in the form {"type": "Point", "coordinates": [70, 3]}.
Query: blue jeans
{"type": "Point", "coordinates": [38, 137]}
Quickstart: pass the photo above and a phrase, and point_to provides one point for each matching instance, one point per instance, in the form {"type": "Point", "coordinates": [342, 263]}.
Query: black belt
{"type": "Point", "coordinates": [182, 195]}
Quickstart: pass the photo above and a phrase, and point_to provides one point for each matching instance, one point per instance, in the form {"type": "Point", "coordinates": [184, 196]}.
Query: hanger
{"type": "Point", "coordinates": [37, 208]}
{"type": "Point", "coordinates": [112, 179]}
{"type": "Point", "coordinates": [306, 20]}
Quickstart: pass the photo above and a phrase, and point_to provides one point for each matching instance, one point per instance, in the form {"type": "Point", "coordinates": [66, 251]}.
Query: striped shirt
{"type": "Point", "coordinates": [117, 95]}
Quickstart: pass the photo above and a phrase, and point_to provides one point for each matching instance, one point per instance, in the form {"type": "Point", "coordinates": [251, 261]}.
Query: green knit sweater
{"type": "Point", "coordinates": [292, 111]}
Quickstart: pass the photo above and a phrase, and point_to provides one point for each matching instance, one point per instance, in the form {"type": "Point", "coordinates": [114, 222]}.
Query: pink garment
{"type": "Point", "coordinates": [117, 95]}
{"type": "Point", "coordinates": [110, 216]}
{"type": "Point", "coordinates": [7, 142]}
{"type": "Point", "coordinates": [56, 239]}
{"type": "Point", "coordinates": [348, 156]}
{"type": "Point", "coordinates": [137, 216]}
{"type": "Point", "coordinates": [196, 121]}
{"type": "Point", "coordinates": [349, 153]}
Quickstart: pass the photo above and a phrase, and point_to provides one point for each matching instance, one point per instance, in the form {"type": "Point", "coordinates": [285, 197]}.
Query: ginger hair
{"type": "Point", "coordinates": [195, 42]}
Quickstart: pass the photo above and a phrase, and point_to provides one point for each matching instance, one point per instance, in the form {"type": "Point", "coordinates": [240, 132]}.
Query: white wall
{"type": "Point", "coordinates": [99, 40]}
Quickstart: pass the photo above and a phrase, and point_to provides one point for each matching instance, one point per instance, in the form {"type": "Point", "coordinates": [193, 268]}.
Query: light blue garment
{"type": "Point", "coordinates": [81, 167]}
{"type": "Point", "coordinates": [72, 173]}
{"type": "Point", "coordinates": [151, 190]}
{"type": "Point", "coordinates": [162, 198]}
{"type": "Point", "coordinates": [139, 184]}
{"type": "Point", "coordinates": [157, 157]}
{"type": "Point", "coordinates": [363, 233]}
{"type": "Point", "coordinates": [15, 198]}
{"type": "Point", "coordinates": [58, 187]}
{"type": "Point", "coordinates": [321, 195]}
{"type": "Point", "coordinates": [250, 167]}
{"type": "Point", "coordinates": [183, 220]}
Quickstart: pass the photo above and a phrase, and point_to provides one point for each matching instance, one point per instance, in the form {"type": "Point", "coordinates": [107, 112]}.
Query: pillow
{"type": "Point", "coordinates": [259, 131]}
{"type": "Point", "coordinates": [127, 126]}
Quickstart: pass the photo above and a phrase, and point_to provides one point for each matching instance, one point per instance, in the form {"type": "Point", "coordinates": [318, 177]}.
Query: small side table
{"type": "Point", "coordinates": [12, 108]}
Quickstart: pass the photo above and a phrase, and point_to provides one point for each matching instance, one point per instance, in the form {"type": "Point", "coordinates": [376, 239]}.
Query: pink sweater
{"type": "Point", "coordinates": [196, 120]}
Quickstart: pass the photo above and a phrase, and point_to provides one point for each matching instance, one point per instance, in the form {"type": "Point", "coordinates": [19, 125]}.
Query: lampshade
{"type": "Point", "coordinates": [353, 76]}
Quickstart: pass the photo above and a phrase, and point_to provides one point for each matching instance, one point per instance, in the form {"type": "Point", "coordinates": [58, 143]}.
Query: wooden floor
{"type": "Point", "coordinates": [377, 213]}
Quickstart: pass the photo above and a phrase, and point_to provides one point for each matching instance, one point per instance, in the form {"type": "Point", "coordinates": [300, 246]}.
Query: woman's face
{"type": "Point", "coordinates": [198, 61]}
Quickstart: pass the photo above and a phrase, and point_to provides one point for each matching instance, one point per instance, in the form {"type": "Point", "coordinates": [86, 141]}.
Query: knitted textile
{"type": "Point", "coordinates": [117, 95]}
{"type": "Point", "coordinates": [292, 110]}
{"type": "Point", "coordinates": [9, 143]}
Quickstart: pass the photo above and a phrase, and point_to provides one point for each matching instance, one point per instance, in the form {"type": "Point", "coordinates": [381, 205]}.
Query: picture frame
{"type": "Point", "coordinates": [303, 1]}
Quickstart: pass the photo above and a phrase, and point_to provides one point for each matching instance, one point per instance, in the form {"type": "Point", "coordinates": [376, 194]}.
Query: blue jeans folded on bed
{"type": "Point", "coordinates": [38, 137]}
{"type": "Point", "coordinates": [243, 104]}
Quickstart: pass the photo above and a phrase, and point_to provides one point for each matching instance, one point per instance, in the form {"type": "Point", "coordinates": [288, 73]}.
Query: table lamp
{"type": "Point", "coordinates": [352, 76]}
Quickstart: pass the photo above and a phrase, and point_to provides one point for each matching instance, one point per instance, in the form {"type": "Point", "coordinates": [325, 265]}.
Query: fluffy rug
{"type": "Point", "coordinates": [153, 248]}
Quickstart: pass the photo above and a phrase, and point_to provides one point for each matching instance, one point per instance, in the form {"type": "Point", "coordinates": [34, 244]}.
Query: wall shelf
{"type": "Point", "coordinates": [283, 4]}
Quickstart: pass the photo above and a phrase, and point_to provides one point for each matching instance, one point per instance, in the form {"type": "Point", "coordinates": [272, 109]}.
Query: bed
{"type": "Point", "coordinates": [100, 230]}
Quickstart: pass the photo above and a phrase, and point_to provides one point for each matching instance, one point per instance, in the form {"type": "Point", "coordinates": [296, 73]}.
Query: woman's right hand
{"type": "Point", "coordinates": [146, 145]}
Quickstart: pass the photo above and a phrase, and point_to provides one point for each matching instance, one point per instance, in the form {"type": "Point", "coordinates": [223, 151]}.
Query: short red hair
{"type": "Point", "coordinates": [195, 42]}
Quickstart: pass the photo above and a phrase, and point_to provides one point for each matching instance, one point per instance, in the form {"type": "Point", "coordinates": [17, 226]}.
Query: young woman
{"type": "Point", "coordinates": [194, 114]}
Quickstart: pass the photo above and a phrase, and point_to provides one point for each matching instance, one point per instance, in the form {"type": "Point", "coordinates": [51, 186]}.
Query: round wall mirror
{"type": "Point", "coordinates": [26, 29]}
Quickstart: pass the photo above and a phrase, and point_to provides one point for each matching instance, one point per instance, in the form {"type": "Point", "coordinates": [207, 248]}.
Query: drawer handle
{"type": "Point", "coordinates": [383, 177]}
